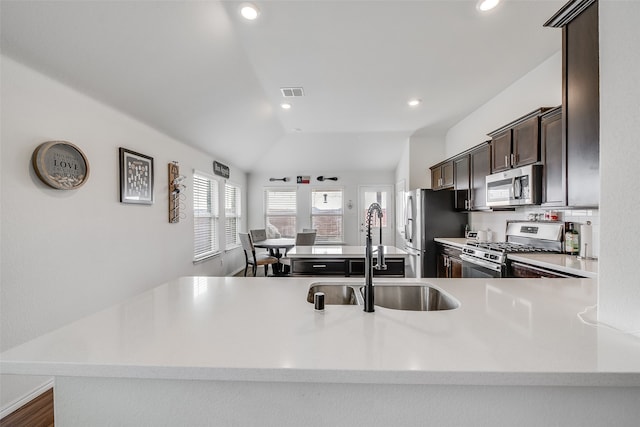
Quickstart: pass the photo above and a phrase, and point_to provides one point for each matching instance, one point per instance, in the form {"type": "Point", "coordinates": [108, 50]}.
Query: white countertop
{"type": "Point", "coordinates": [458, 242]}
{"type": "Point", "coordinates": [324, 251]}
{"type": "Point", "coordinates": [507, 331]}
{"type": "Point", "coordinates": [564, 263]}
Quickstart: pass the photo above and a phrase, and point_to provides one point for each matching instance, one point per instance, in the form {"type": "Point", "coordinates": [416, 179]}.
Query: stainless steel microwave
{"type": "Point", "coordinates": [515, 187]}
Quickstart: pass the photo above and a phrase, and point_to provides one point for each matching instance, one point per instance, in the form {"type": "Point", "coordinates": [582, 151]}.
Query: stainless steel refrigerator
{"type": "Point", "coordinates": [429, 214]}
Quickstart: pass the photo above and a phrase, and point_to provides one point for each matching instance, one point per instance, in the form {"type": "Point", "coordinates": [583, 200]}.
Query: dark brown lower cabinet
{"type": "Point", "coordinates": [522, 270]}
{"type": "Point", "coordinates": [449, 262]}
{"type": "Point", "coordinates": [37, 413]}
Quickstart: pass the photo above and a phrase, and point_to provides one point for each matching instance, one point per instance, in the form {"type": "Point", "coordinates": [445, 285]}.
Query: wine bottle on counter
{"type": "Point", "coordinates": [571, 240]}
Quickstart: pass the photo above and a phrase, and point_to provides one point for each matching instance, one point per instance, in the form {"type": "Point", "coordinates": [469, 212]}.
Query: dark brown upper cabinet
{"type": "Point", "coordinates": [501, 150]}
{"type": "Point", "coordinates": [462, 182]}
{"type": "Point", "coordinates": [517, 143]}
{"type": "Point", "coordinates": [580, 99]}
{"type": "Point", "coordinates": [554, 158]}
{"type": "Point", "coordinates": [470, 170]}
{"type": "Point", "coordinates": [442, 175]}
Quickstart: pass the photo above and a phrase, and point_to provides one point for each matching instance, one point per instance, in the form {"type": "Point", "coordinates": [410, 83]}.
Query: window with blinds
{"type": "Point", "coordinates": [327, 214]}
{"type": "Point", "coordinates": [280, 212]}
{"type": "Point", "coordinates": [205, 216]}
{"type": "Point", "coordinates": [232, 215]}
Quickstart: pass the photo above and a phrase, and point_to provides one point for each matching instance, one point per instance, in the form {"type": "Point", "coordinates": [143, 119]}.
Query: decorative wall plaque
{"type": "Point", "coordinates": [136, 177]}
{"type": "Point", "coordinates": [60, 165]}
{"type": "Point", "coordinates": [220, 169]}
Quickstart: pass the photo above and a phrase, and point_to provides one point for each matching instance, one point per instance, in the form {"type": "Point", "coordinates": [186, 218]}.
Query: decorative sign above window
{"type": "Point", "coordinates": [220, 169]}
{"type": "Point", "coordinates": [60, 165]}
{"type": "Point", "coordinates": [303, 179]}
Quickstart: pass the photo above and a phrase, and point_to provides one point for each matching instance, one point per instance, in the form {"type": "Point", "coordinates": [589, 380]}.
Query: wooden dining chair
{"type": "Point", "coordinates": [302, 239]}
{"type": "Point", "coordinates": [254, 259]}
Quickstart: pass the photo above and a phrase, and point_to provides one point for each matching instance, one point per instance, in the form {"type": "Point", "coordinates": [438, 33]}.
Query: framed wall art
{"type": "Point", "coordinates": [60, 165]}
{"type": "Point", "coordinates": [136, 177]}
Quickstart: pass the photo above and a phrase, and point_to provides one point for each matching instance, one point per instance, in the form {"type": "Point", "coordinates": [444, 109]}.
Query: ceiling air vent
{"type": "Point", "coordinates": [291, 92]}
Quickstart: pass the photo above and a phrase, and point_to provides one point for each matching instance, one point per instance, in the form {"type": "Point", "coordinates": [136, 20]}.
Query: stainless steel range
{"type": "Point", "coordinates": [490, 259]}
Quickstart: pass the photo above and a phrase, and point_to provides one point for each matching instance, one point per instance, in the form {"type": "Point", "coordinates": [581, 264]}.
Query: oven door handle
{"type": "Point", "coordinates": [490, 265]}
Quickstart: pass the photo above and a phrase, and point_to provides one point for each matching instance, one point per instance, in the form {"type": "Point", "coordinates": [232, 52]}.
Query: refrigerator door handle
{"type": "Point", "coordinates": [408, 230]}
{"type": "Point", "coordinates": [408, 223]}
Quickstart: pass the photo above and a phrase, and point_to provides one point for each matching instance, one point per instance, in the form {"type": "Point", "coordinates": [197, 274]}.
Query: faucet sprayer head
{"type": "Point", "coordinates": [373, 208]}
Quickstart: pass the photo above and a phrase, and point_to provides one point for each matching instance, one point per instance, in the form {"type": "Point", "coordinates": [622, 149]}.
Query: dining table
{"type": "Point", "coordinates": [277, 247]}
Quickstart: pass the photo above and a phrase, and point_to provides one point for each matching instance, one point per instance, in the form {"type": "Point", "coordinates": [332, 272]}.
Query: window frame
{"type": "Point", "coordinates": [212, 211]}
{"type": "Point", "coordinates": [237, 215]}
{"type": "Point", "coordinates": [265, 208]}
{"type": "Point", "coordinates": [319, 237]}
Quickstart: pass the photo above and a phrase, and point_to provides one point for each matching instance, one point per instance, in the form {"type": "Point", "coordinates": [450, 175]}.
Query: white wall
{"type": "Point", "coordinates": [619, 290]}
{"type": "Point", "coordinates": [66, 254]}
{"type": "Point", "coordinates": [349, 181]}
{"type": "Point", "coordinates": [418, 154]}
{"type": "Point", "coordinates": [541, 87]}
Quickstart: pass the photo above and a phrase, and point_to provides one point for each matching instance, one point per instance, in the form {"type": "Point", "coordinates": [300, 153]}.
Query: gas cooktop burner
{"type": "Point", "coordinates": [507, 247]}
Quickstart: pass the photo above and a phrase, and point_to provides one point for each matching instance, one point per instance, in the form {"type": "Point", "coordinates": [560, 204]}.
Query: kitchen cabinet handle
{"type": "Point", "coordinates": [319, 266]}
{"type": "Point", "coordinates": [513, 159]}
{"type": "Point", "coordinates": [506, 161]}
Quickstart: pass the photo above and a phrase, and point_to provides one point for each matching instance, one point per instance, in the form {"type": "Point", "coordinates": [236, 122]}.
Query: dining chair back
{"type": "Point", "coordinates": [253, 259]}
{"type": "Point", "coordinates": [306, 238]}
{"type": "Point", "coordinates": [258, 234]}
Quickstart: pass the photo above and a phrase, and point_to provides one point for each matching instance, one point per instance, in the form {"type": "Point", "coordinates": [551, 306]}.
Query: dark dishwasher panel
{"type": "Point", "coordinates": [319, 267]}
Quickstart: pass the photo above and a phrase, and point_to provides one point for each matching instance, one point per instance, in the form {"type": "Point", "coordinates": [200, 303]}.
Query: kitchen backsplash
{"type": "Point", "coordinates": [496, 222]}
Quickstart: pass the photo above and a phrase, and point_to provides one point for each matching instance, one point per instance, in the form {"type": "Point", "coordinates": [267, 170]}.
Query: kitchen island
{"type": "Point", "coordinates": [253, 351]}
{"type": "Point", "coordinates": [348, 261]}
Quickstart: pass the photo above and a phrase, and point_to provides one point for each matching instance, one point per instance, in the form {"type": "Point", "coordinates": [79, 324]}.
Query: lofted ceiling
{"type": "Point", "coordinates": [198, 72]}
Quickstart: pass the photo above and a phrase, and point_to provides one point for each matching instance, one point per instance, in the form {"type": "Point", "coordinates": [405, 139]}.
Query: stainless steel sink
{"type": "Point", "coordinates": [337, 293]}
{"type": "Point", "coordinates": [412, 297]}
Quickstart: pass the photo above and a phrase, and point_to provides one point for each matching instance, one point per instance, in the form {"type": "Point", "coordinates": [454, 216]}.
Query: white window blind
{"type": "Point", "coordinates": [232, 215]}
{"type": "Point", "coordinates": [327, 214]}
{"type": "Point", "coordinates": [280, 212]}
{"type": "Point", "coordinates": [205, 216]}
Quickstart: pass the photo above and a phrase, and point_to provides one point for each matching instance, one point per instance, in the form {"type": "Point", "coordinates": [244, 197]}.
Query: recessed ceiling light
{"type": "Point", "coordinates": [285, 105]}
{"type": "Point", "coordinates": [485, 5]}
{"type": "Point", "coordinates": [249, 11]}
{"type": "Point", "coordinates": [414, 102]}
